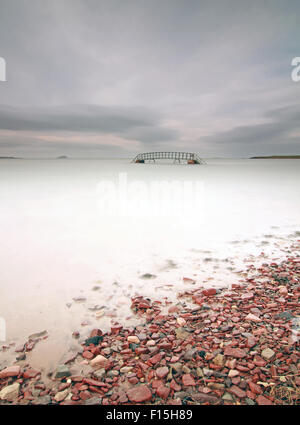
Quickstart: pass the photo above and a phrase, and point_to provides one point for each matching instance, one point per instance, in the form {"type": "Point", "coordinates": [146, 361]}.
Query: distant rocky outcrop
{"type": "Point", "coordinates": [277, 157]}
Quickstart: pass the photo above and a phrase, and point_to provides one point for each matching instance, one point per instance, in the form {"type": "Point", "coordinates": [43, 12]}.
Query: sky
{"type": "Point", "coordinates": [113, 78]}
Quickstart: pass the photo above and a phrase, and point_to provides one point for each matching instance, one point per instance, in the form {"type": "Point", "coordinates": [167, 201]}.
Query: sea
{"type": "Point", "coordinates": [81, 237]}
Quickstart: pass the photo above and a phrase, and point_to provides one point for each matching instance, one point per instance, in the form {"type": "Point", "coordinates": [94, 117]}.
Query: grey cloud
{"type": "Point", "coordinates": [281, 133]}
{"type": "Point", "coordinates": [74, 118]}
{"type": "Point", "coordinates": [152, 134]}
{"type": "Point", "coordinates": [131, 123]}
{"type": "Point", "coordinates": [176, 69]}
{"type": "Point", "coordinates": [28, 147]}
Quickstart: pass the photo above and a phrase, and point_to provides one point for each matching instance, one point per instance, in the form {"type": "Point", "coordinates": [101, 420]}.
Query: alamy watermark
{"type": "Point", "coordinates": [148, 198]}
{"type": "Point", "coordinates": [2, 69]}
{"type": "Point", "coordinates": [2, 329]}
{"type": "Point", "coordinates": [296, 71]}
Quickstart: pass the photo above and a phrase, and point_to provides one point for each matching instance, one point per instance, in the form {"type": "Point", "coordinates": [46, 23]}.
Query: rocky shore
{"type": "Point", "coordinates": [228, 347]}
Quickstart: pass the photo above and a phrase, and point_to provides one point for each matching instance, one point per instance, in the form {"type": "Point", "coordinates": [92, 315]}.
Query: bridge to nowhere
{"type": "Point", "coordinates": [190, 158]}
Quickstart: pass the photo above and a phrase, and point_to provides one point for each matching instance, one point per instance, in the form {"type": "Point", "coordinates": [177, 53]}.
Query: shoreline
{"type": "Point", "coordinates": [232, 347]}
{"type": "Point", "coordinates": [277, 157]}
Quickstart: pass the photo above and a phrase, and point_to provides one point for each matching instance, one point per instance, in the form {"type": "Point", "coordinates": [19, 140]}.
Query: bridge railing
{"type": "Point", "coordinates": [176, 156]}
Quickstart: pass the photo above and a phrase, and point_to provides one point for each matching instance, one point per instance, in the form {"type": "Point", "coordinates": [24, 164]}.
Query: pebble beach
{"type": "Point", "coordinates": [237, 345]}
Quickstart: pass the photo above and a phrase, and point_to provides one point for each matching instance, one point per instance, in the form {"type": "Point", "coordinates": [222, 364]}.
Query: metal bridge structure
{"type": "Point", "coordinates": [177, 157]}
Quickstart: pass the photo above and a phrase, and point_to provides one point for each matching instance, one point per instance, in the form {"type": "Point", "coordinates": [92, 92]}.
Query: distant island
{"type": "Point", "coordinates": [9, 157]}
{"type": "Point", "coordinates": [277, 157]}
{"type": "Point", "coordinates": [62, 157]}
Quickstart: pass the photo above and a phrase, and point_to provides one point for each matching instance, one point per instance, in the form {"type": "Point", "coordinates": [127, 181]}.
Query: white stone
{"type": "Point", "coordinates": [181, 321]}
{"type": "Point", "coordinates": [126, 369]}
{"type": "Point", "coordinates": [99, 361]}
{"type": "Point", "coordinates": [10, 392]}
{"type": "Point", "coordinates": [61, 395]}
{"type": "Point", "coordinates": [134, 339]}
{"type": "Point", "coordinates": [232, 373]}
{"type": "Point", "coordinates": [253, 318]}
{"type": "Point", "coordinates": [283, 290]}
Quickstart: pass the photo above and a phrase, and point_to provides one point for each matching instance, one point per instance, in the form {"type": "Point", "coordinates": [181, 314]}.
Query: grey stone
{"type": "Point", "coordinates": [112, 373]}
{"type": "Point", "coordinates": [46, 399]}
{"type": "Point", "coordinates": [207, 372]}
{"type": "Point", "coordinates": [148, 276]}
{"type": "Point", "coordinates": [227, 397]}
{"type": "Point", "coordinates": [95, 307]}
{"type": "Point", "coordinates": [133, 346]}
{"type": "Point", "coordinates": [79, 299]}
{"type": "Point", "coordinates": [189, 354]}
{"type": "Point", "coordinates": [220, 375]}
{"type": "Point", "coordinates": [21, 357]}
{"type": "Point", "coordinates": [153, 350]}
{"type": "Point", "coordinates": [35, 392]}
{"type": "Point", "coordinates": [142, 336]}
{"type": "Point", "coordinates": [92, 401]}
{"type": "Point", "coordinates": [116, 346]}
{"type": "Point", "coordinates": [228, 382]}
{"type": "Point", "coordinates": [38, 335]}
{"type": "Point", "coordinates": [247, 334]}
{"type": "Point", "coordinates": [285, 315]}
{"type": "Point", "coordinates": [99, 374]}
{"type": "Point", "coordinates": [243, 384]}
{"type": "Point", "coordinates": [181, 333]}
{"type": "Point", "coordinates": [177, 367]}
{"type": "Point", "coordinates": [294, 369]}
{"type": "Point", "coordinates": [268, 353]}
{"type": "Point", "coordinates": [205, 398]}
{"type": "Point", "coordinates": [186, 369]}
{"type": "Point", "coordinates": [62, 371]}
{"type": "Point", "coordinates": [180, 394]}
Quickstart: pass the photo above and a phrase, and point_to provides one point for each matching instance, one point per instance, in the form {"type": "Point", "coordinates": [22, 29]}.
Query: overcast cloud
{"type": "Point", "coordinates": [118, 77]}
